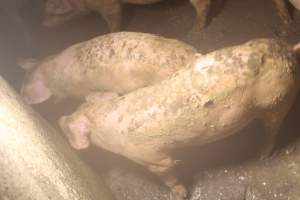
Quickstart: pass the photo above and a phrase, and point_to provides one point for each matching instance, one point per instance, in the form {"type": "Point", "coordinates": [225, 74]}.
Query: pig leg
{"type": "Point", "coordinates": [111, 10]}
{"type": "Point", "coordinates": [283, 11]}
{"type": "Point", "coordinates": [162, 165]}
{"type": "Point", "coordinates": [101, 96]}
{"type": "Point", "coordinates": [272, 123]}
{"type": "Point", "coordinates": [202, 8]}
{"type": "Point", "coordinates": [164, 170]}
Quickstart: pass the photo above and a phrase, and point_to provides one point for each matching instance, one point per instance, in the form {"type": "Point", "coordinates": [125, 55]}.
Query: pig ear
{"type": "Point", "coordinates": [27, 64]}
{"type": "Point", "coordinates": [77, 131]}
{"type": "Point", "coordinates": [36, 93]}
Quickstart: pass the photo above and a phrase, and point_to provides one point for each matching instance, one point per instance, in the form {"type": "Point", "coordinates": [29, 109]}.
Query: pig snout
{"type": "Point", "coordinates": [35, 92]}
{"type": "Point", "coordinates": [77, 131]}
{"type": "Point", "coordinates": [57, 12]}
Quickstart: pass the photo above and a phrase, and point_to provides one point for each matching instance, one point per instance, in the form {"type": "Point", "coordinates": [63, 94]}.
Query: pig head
{"type": "Point", "coordinates": [59, 11]}
{"type": "Point", "coordinates": [77, 131]}
{"type": "Point", "coordinates": [34, 89]}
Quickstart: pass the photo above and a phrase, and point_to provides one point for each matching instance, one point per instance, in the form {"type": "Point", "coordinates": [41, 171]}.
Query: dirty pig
{"type": "Point", "coordinates": [60, 11]}
{"type": "Point", "coordinates": [218, 95]}
{"type": "Point", "coordinates": [113, 63]}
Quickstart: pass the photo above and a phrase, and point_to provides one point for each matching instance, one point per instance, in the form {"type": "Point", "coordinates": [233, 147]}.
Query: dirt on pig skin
{"type": "Point", "coordinates": [117, 63]}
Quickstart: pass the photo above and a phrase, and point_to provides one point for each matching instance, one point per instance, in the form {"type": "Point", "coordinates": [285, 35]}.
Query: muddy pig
{"type": "Point", "coordinates": [219, 94]}
{"type": "Point", "coordinates": [60, 11]}
{"type": "Point", "coordinates": [116, 62]}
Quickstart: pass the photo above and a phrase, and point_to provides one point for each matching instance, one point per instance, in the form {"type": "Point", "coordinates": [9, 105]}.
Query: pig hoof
{"type": "Point", "coordinates": [291, 149]}
{"type": "Point", "coordinates": [267, 154]}
{"type": "Point", "coordinates": [179, 192]}
{"type": "Point", "coordinates": [264, 157]}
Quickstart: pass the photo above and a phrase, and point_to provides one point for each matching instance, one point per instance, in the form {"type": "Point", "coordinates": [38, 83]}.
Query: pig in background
{"type": "Point", "coordinates": [283, 9]}
{"type": "Point", "coordinates": [107, 65]}
{"type": "Point", "coordinates": [218, 95]}
{"type": "Point", "coordinates": [60, 11]}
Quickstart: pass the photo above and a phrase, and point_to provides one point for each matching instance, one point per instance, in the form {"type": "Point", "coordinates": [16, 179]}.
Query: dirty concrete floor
{"type": "Point", "coordinates": [232, 22]}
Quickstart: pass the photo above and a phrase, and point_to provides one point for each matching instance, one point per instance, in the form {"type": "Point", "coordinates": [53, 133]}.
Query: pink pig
{"type": "Point", "coordinates": [219, 94]}
{"type": "Point", "coordinates": [113, 63]}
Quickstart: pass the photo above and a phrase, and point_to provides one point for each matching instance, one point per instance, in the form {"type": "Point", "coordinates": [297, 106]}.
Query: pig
{"type": "Point", "coordinates": [284, 11]}
{"type": "Point", "coordinates": [113, 63]}
{"type": "Point", "coordinates": [219, 94]}
{"type": "Point", "coordinates": [60, 11]}
{"type": "Point", "coordinates": [296, 3]}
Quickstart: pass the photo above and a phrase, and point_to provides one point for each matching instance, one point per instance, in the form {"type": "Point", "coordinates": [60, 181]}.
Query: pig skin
{"type": "Point", "coordinates": [116, 62]}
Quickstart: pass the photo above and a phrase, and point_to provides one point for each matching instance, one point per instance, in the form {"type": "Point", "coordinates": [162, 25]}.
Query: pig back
{"type": "Point", "coordinates": [206, 102]}
{"type": "Point", "coordinates": [124, 61]}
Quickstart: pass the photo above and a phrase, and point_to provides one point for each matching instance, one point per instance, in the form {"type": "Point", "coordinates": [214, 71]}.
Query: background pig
{"type": "Point", "coordinates": [59, 11]}
{"type": "Point", "coordinates": [218, 95]}
{"type": "Point", "coordinates": [283, 10]}
{"type": "Point", "coordinates": [296, 3]}
{"type": "Point", "coordinates": [117, 62]}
